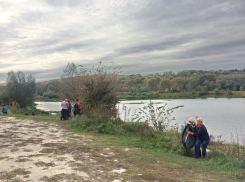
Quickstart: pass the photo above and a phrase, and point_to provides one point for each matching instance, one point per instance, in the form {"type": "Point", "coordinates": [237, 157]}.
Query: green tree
{"type": "Point", "coordinates": [152, 83]}
{"type": "Point", "coordinates": [204, 90]}
{"type": "Point", "coordinates": [193, 83]}
{"type": "Point", "coordinates": [21, 88]}
{"type": "Point", "coordinates": [178, 83]}
{"type": "Point", "coordinates": [165, 83]}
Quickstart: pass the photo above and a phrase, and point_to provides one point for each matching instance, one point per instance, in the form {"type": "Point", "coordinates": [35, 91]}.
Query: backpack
{"type": "Point", "coordinates": [188, 141]}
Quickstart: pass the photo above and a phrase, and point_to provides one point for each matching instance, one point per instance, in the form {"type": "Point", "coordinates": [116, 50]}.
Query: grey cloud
{"type": "Point", "coordinates": [60, 49]}
{"type": "Point", "coordinates": [210, 49]}
{"type": "Point", "coordinates": [193, 34]}
{"type": "Point", "coordinates": [165, 44]}
{"type": "Point", "coordinates": [70, 3]}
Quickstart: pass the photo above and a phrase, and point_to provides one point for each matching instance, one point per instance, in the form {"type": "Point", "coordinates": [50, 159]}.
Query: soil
{"type": "Point", "coordinates": [41, 151]}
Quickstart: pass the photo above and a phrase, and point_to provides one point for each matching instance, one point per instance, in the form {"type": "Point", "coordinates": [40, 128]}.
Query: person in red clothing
{"type": "Point", "coordinates": [79, 106]}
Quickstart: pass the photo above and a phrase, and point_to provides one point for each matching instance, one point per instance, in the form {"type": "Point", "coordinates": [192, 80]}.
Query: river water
{"type": "Point", "coordinates": [222, 117]}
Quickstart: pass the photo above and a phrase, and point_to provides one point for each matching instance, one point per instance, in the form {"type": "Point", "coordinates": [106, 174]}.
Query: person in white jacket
{"type": "Point", "coordinates": [64, 111]}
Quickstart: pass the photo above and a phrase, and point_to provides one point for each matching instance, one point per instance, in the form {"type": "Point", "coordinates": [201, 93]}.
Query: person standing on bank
{"type": "Point", "coordinates": [202, 138]}
{"type": "Point", "coordinates": [79, 106]}
{"type": "Point", "coordinates": [69, 110]}
{"type": "Point", "coordinates": [64, 111]}
{"type": "Point", "coordinates": [5, 109]}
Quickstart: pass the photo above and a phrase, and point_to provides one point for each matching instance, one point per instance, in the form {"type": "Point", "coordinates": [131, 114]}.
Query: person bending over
{"type": "Point", "coordinates": [202, 138]}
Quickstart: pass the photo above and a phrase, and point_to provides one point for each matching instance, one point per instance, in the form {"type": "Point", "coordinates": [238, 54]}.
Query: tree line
{"type": "Point", "coordinates": [77, 82]}
{"type": "Point", "coordinates": [186, 81]}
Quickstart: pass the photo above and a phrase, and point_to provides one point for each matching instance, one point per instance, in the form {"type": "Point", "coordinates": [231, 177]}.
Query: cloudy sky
{"type": "Point", "coordinates": [40, 37]}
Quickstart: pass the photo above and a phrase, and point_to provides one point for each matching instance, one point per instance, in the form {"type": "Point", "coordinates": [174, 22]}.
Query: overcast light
{"type": "Point", "coordinates": [140, 36]}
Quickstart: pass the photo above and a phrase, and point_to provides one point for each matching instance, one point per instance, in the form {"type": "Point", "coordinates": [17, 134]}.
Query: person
{"type": "Point", "coordinates": [5, 109]}
{"type": "Point", "coordinates": [69, 110]}
{"type": "Point", "coordinates": [64, 106]}
{"type": "Point", "coordinates": [75, 109]}
{"type": "Point", "coordinates": [192, 126]}
{"type": "Point", "coordinates": [188, 141]}
{"type": "Point", "coordinates": [202, 138]}
{"type": "Point", "coordinates": [79, 106]}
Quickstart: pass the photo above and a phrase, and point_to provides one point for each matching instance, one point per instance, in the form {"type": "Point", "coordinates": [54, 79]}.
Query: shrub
{"type": "Point", "coordinates": [98, 87]}
{"type": "Point", "coordinates": [158, 117]}
{"type": "Point", "coordinates": [229, 92]}
{"type": "Point", "coordinates": [216, 91]}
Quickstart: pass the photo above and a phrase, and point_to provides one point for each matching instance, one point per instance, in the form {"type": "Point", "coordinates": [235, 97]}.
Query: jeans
{"type": "Point", "coordinates": [64, 114]}
{"type": "Point", "coordinates": [204, 147]}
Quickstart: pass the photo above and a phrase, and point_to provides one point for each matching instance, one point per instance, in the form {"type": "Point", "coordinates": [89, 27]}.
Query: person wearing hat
{"type": "Point", "coordinates": [64, 111]}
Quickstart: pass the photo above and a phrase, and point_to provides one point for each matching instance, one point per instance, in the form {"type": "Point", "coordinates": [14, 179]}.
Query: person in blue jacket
{"type": "Point", "coordinates": [202, 138]}
{"type": "Point", "coordinates": [5, 109]}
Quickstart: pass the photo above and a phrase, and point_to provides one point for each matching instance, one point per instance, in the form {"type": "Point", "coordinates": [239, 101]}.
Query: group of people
{"type": "Point", "coordinates": [200, 133]}
{"type": "Point", "coordinates": [66, 109]}
{"type": "Point", "coordinates": [5, 109]}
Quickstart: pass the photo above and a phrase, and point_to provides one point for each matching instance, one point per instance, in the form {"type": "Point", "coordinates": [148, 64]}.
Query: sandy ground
{"type": "Point", "coordinates": [40, 151]}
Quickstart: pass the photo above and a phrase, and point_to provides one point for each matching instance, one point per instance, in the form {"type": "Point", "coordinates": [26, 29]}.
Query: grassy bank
{"type": "Point", "coordinates": [158, 155]}
{"type": "Point", "coordinates": [42, 98]}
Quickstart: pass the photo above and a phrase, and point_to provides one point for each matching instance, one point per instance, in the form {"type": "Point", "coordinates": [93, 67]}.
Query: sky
{"type": "Point", "coordinates": [40, 37]}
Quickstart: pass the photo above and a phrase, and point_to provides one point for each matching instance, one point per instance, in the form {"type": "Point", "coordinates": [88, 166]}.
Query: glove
{"type": "Point", "coordinates": [190, 133]}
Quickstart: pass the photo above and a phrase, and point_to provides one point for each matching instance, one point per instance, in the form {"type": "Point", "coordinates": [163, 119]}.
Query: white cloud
{"type": "Point", "coordinates": [141, 36]}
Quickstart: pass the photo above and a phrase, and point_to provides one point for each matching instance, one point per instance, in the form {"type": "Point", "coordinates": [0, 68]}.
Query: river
{"type": "Point", "coordinates": [222, 117]}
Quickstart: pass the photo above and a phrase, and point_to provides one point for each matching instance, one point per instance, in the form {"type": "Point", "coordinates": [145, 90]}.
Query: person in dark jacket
{"type": "Point", "coordinates": [202, 138]}
{"type": "Point", "coordinates": [79, 106]}
{"type": "Point", "coordinates": [192, 126]}
{"type": "Point", "coordinates": [69, 110]}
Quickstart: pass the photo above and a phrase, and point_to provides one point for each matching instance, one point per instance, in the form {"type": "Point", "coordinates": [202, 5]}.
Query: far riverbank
{"type": "Point", "coordinates": [180, 95]}
{"type": "Point", "coordinates": [159, 95]}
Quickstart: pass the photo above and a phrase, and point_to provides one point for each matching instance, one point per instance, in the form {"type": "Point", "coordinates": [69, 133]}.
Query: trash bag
{"type": "Point", "coordinates": [188, 141]}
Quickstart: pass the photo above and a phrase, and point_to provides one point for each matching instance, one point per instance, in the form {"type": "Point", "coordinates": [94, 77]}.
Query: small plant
{"type": "Point", "coordinates": [158, 117]}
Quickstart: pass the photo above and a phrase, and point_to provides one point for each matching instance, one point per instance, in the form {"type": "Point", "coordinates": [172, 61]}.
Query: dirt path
{"type": "Point", "coordinates": [39, 151]}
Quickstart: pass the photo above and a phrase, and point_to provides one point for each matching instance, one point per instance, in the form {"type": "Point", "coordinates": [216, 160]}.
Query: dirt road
{"type": "Point", "coordinates": [40, 151]}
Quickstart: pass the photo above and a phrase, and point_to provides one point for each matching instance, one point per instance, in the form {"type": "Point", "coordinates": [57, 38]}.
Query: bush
{"type": "Point", "coordinates": [158, 117]}
{"type": "Point", "coordinates": [98, 88]}
{"type": "Point", "coordinates": [229, 92]}
{"type": "Point", "coordinates": [174, 90]}
{"type": "Point", "coordinates": [216, 91]}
